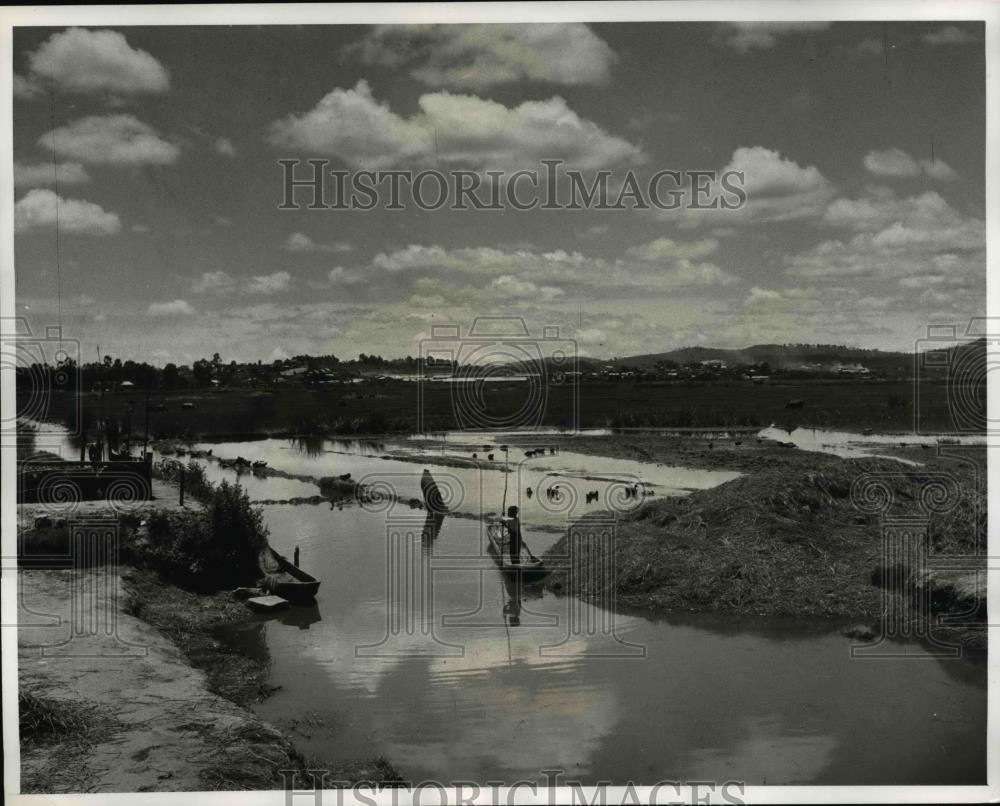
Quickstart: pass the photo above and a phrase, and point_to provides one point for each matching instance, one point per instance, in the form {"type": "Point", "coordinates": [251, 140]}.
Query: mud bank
{"type": "Point", "coordinates": [795, 536]}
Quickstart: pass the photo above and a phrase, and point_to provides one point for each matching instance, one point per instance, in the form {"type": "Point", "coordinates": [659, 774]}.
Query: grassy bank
{"type": "Point", "coordinates": [790, 539]}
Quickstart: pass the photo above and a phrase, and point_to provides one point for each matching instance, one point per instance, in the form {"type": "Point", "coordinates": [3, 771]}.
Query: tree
{"type": "Point", "coordinates": [170, 377]}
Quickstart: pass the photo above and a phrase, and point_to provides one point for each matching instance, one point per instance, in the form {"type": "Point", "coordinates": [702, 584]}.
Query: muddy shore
{"type": "Point", "coordinates": [795, 535]}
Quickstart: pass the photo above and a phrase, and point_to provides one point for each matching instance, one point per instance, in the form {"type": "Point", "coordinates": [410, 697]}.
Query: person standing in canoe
{"type": "Point", "coordinates": [513, 524]}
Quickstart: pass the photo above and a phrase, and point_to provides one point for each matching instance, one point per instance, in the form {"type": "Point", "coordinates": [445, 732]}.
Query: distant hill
{"type": "Point", "coordinates": [778, 356]}
{"type": "Point", "coordinates": [969, 355]}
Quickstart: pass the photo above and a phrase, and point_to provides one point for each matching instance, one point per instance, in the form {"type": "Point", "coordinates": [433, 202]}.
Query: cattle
{"type": "Point", "coordinates": [795, 404]}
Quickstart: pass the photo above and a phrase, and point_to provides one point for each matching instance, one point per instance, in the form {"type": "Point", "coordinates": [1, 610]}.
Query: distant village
{"type": "Point", "coordinates": [317, 371]}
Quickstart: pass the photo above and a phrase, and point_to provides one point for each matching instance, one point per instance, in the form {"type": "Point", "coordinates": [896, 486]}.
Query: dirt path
{"type": "Point", "coordinates": [155, 726]}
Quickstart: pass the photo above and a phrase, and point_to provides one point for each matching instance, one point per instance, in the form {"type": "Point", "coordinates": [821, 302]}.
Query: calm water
{"type": "Point", "coordinates": [417, 650]}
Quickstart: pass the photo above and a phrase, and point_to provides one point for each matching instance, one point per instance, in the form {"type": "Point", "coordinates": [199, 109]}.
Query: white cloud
{"type": "Point", "coordinates": [269, 283]}
{"type": "Point", "coordinates": [938, 169]}
{"type": "Point", "coordinates": [300, 242]}
{"type": "Point", "coordinates": [949, 35]}
{"type": "Point", "coordinates": [898, 238]}
{"type": "Point", "coordinates": [223, 221]}
{"type": "Point", "coordinates": [891, 162]}
{"type": "Point", "coordinates": [85, 61]}
{"type": "Point", "coordinates": [43, 208]}
{"type": "Point", "coordinates": [475, 57]}
{"type": "Point", "coordinates": [668, 249]}
{"type": "Point", "coordinates": [895, 162]}
{"type": "Point", "coordinates": [777, 189]}
{"type": "Point", "coordinates": [758, 295]}
{"type": "Point", "coordinates": [456, 130]}
{"type": "Point", "coordinates": [110, 139]}
{"type": "Point", "coordinates": [225, 147]}
{"type": "Point", "coordinates": [140, 228]}
{"type": "Point", "coordinates": [339, 275]}
{"type": "Point", "coordinates": [513, 287]}
{"type": "Point", "coordinates": [45, 173]}
{"type": "Point", "coordinates": [177, 307]}
{"type": "Point", "coordinates": [630, 275]}
{"type": "Point", "coordinates": [746, 36]}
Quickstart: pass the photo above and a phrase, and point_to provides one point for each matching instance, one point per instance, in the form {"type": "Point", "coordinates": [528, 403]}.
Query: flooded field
{"type": "Point", "coordinates": [419, 650]}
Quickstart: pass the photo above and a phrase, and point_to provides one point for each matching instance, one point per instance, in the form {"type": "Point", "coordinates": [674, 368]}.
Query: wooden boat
{"type": "Point", "coordinates": [286, 580]}
{"type": "Point", "coordinates": [530, 569]}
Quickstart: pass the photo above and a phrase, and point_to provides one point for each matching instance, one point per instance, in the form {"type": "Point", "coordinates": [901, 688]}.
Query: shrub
{"type": "Point", "coordinates": [206, 550]}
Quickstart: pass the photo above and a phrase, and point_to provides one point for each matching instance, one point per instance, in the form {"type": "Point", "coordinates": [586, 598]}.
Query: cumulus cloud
{"type": "Point", "coordinates": [510, 269]}
{"type": "Point", "coordinates": [512, 287]}
{"type": "Point", "coordinates": [340, 276]}
{"type": "Point", "coordinates": [668, 249]}
{"type": "Point", "coordinates": [300, 242]}
{"type": "Point", "coordinates": [112, 140]}
{"type": "Point", "coordinates": [43, 208]}
{"type": "Point", "coordinates": [894, 162]}
{"type": "Point", "coordinates": [84, 61]}
{"type": "Point", "coordinates": [177, 307]}
{"type": "Point", "coordinates": [454, 130]}
{"type": "Point", "coordinates": [901, 239]}
{"type": "Point", "coordinates": [225, 147]}
{"type": "Point", "coordinates": [269, 283]}
{"type": "Point", "coordinates": [758, 294]}
{"type": "Point", "coordinates": [476, 57]}
{"type": "Point", "coordinates": [45, 173]}
{"type": "Point", "coordinates": [746, 36]}
{"type": "Point", "coordinates": [777, 189]}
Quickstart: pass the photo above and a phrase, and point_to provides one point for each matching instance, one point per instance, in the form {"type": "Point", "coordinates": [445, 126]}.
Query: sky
{"type": "Point", "coordinates": [157, 148]}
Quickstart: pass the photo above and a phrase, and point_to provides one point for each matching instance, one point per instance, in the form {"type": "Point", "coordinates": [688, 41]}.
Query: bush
{"type": "Point", "coordinates": [206, 550]}
{"type": "Point", "coordinates": [196, 485]}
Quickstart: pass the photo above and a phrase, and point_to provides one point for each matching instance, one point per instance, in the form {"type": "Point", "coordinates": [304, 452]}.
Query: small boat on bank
{"type": "Point", "coordinates": [530, 569]}
{"type": "Point", "coordinates": [286, 580]}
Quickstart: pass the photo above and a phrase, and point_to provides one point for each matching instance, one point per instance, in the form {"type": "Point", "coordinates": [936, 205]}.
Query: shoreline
{"type": "Point", "coordinates": [157, 701]}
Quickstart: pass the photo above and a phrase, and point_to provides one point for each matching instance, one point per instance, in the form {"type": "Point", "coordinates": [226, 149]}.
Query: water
{"type": "Point", "coordinates": [477, 486]}
{"type": "Point", "coordinates": [849, 445]}
{"type": "Point", "coordinates": [462, 693]}
{"type": "Point", "coordinates": [418, 650]}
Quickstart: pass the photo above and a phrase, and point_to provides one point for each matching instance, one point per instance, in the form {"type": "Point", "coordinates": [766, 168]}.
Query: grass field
{"type": "Point", "coordinates": [399, 406]}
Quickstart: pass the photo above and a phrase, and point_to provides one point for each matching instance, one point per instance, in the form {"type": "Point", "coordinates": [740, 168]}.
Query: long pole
{"type": "Point", "coordinates": [145, 436]}
{"type": "Point", "coordinates": [506, 460]}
